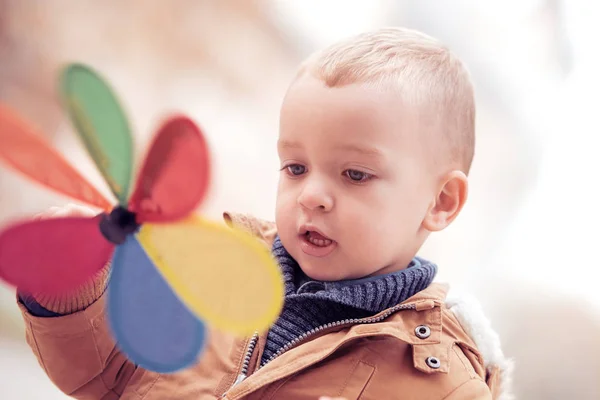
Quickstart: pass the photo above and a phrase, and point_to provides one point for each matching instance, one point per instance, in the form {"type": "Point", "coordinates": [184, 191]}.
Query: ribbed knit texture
{"type": "Point", "coordinates": [310, 304]}
{"type": "Point", "coordinates": [44, 305]}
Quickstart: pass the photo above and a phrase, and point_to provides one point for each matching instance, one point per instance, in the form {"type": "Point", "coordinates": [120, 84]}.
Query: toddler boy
{"type": "Point", "coordinates": [376, 141]}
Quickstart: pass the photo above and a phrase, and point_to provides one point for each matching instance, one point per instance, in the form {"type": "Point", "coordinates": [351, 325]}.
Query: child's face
{"type": "Point", "coordinates": [354, 186]}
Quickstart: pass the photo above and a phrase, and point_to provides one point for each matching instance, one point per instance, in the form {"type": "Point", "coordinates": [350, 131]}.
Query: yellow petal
{"type": "Point", "coordinates": [225, 276]}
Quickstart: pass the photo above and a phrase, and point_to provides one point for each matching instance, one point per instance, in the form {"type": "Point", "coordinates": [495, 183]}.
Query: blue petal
{"type": "Point", "coordinates": [150, 324]}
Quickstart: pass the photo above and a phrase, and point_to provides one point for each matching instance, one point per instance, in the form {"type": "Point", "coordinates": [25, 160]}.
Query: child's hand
{"type": "Point", "coordinates": [69, 210]}
{"type": "Point", "coordinates": [43, 305]}
{"type": "Point", "coordinates": [331, 398]}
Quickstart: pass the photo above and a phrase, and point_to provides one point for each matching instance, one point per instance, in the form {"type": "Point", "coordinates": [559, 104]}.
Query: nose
{"type": "Point", "coordinates": [315, 197]}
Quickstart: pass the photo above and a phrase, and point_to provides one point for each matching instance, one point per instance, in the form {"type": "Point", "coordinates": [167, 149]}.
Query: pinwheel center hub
{"type": "Point", "coordinates": [118, 224]}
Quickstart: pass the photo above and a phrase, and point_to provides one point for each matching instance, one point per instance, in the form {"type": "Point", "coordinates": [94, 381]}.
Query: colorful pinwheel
{"type": "Point", "coordinates": [171, 270]}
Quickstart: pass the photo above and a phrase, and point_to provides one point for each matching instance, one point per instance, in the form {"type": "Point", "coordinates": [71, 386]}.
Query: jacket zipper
{"type": "Point", "coordinates": [244, 372]}
{"type": "Point", "coordinates": [355, 321]}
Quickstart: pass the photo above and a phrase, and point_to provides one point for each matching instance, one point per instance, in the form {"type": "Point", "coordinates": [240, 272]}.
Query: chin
{"type": "Point", "coordinates": [319, 273]}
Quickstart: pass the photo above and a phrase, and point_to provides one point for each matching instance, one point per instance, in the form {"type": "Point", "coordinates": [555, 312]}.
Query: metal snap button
{"type": "Point", "coordinates": [433, 362]}
{"type": "Point", "coordinates": [423, 331]}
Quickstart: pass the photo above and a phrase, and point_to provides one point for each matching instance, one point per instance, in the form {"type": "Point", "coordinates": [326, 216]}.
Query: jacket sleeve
{"type": "Point", "coordinates": [264, 231]}
{"type": "Point", "coordinates": [473, 389]}
{"type": "Point", "coordinates": [77, 352]}
{"type": "Point", "coordinates": [76, 348]}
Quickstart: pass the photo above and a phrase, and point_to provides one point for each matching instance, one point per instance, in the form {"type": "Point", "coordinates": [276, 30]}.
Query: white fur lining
{"type": "Point", "coordinates": [470, 314]}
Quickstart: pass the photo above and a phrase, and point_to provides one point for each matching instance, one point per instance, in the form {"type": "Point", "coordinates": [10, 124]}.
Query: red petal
{"type": "Point", "coordinates": [53, 256]}
{"type": "Point", "coordinates": [175, 176]}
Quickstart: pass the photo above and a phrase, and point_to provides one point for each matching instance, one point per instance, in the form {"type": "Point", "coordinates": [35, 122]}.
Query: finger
{"type": "Point", "coordinates": [50, 212]}
{"type": "Point", "coordinates": [70, 210]}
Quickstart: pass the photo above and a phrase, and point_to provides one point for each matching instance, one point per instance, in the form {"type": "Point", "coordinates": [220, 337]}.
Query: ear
{"type": "Point", "coordinates": [448, 203]}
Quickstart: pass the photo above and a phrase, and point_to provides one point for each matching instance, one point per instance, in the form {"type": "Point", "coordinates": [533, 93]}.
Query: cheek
{"type": "Point", "coordinates": [285, 196]}
{"type": "Point", "coordinates": [284, 207]}
{"type": "Point", "coordinates": [368, 206]}
{"type": "Point", "coordinates": [361, 221]}
{"type": "Point", "coordinates": [385, 212]}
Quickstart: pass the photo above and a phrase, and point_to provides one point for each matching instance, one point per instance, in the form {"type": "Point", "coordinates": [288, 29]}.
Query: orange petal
{"type": "Point", "coordinates": [25, 151]}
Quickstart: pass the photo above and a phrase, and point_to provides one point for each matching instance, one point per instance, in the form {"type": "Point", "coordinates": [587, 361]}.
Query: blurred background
{"type": "Point", "coordinates": [526, 243]}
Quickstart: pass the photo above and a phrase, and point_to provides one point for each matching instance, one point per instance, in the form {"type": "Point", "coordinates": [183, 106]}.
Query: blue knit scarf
{"type": "Point", "coordinates": [310, 304]}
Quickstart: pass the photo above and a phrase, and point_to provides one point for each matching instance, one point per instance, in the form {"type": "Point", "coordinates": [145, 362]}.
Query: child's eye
{"type": "Point", "coordinates": [357, 176]}
{"type": "Point", "coordinates": [296, 169]}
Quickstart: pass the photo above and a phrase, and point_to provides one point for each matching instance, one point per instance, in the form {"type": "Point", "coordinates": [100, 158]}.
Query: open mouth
{"type": "Point", "coordinates": [316, 244]}
{"type": "Point", "coordinates": [317, 239]}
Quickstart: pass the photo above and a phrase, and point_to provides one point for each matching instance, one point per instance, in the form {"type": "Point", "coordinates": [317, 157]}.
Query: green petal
{"type": "Point", "coordinates": [101, 123]}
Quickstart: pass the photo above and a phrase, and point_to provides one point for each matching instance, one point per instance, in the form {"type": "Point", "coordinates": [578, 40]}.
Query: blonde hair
{"type": "Point", "coordinates": [426, 71]}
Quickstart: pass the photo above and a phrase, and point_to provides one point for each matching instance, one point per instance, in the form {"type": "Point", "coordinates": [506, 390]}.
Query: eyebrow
{"type": "Point", "coordinates": [364, 150]}
{"type": "Point", "coordinates": [286, 144]}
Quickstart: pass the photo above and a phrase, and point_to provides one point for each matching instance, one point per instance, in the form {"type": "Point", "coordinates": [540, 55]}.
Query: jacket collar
{"type": "Point", "coordinates": [423, 309]}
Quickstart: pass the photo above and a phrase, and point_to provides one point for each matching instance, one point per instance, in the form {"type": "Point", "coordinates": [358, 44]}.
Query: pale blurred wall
{"type": "Point", "coordinates": [227, 64]}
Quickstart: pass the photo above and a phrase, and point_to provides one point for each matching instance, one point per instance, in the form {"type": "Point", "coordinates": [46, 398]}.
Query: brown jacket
{"type": "Point", "coordinates": [416, 350]}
